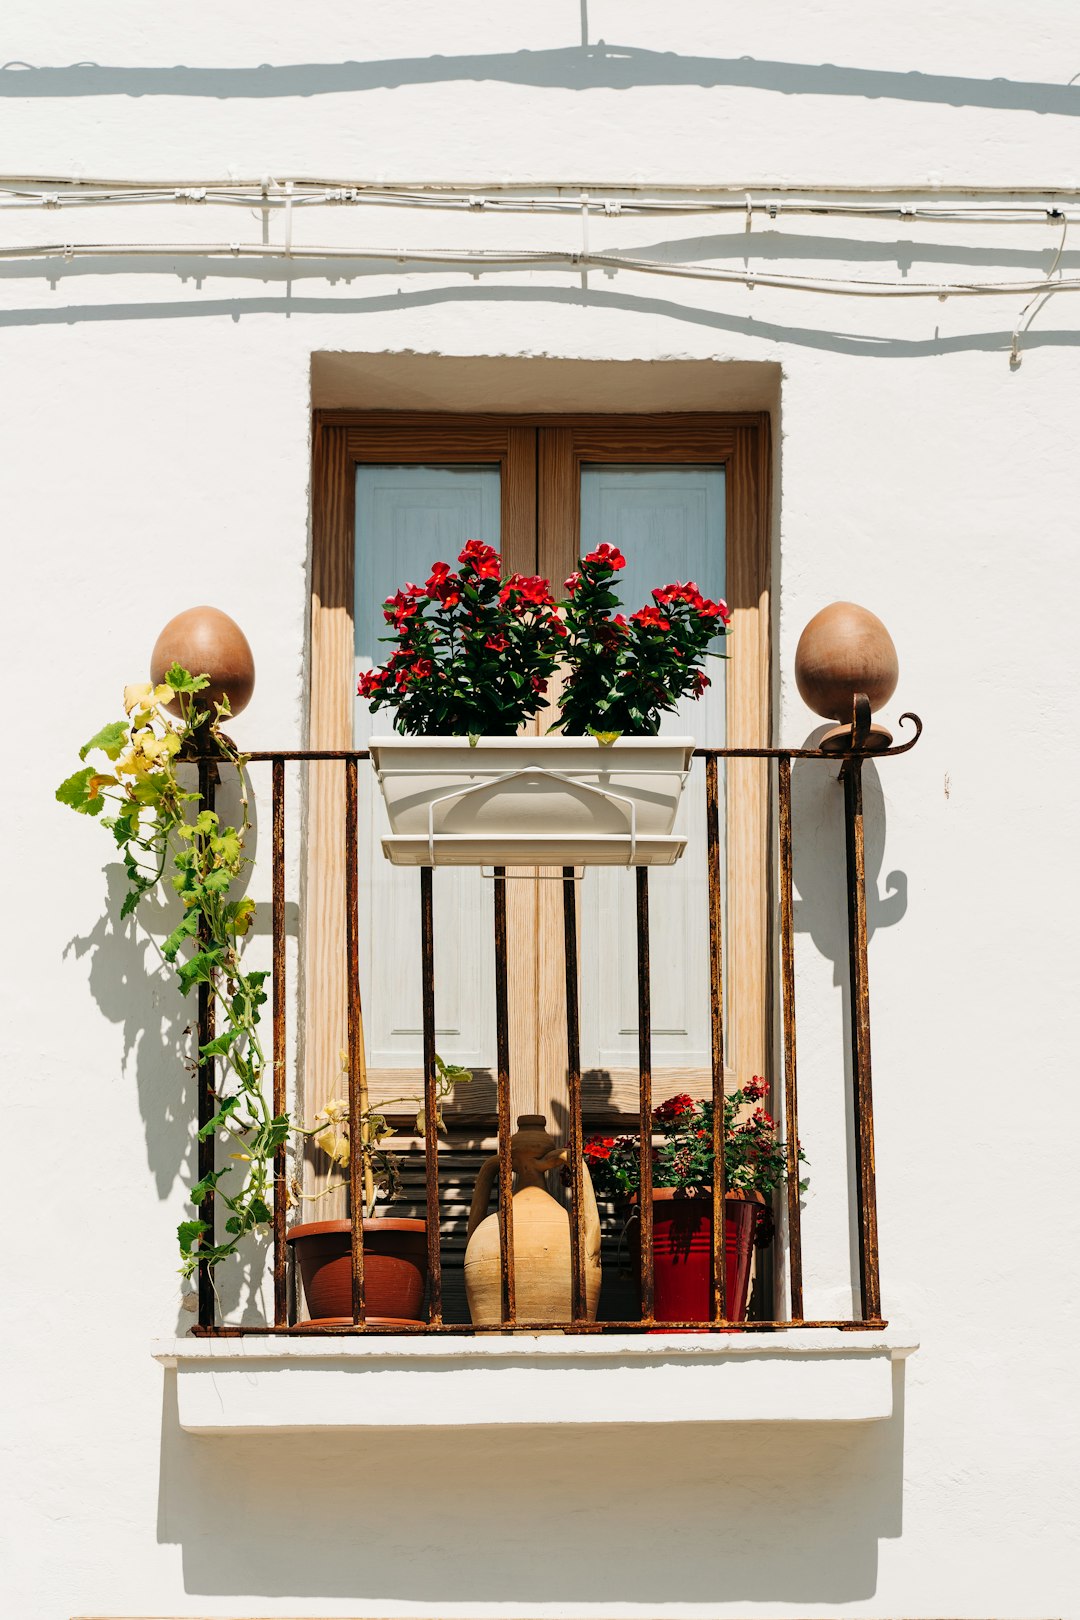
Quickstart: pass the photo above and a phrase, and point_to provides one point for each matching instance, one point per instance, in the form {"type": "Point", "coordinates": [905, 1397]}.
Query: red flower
{"type": "Point", "coordinates": [650, 618]}
{"type": "Point", "coordinates": [701, 681]}
{"type": "Point", "coordinates": [482, 559]}
{"type": "Point", "coordinates": [755, 1088]}
{"type": "Point", "coordinates": [599, 1148]}
{"type": "Point", "coordinates": [674, 1108]}
{"type": "Point", "coordinates": [607, 557]}
{"type": "Point", "coordinates": [529, 588]}
{"type": "Point", "coordinates": [572, 583]}
{"type": "Point", "coordinates": [399, 608]}
{"type": "Point", "coordinates": [370, 682]}
{"type": "Point", "coordinates": [538, 685]}
{"type": "Point", "coordinates": [497, 643]}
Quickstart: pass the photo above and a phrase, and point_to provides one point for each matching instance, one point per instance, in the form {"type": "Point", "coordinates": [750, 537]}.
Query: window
{"type": "Point", "coordinates": [683, 496]}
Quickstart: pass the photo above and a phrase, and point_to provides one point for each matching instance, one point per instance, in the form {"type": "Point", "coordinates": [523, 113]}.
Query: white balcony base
{"type": "Point", "coordinates": [811, 1375]}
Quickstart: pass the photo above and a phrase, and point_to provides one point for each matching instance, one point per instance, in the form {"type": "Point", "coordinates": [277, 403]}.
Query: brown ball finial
{"type": "Point", "coordinates": [845, 650]}
{"type": "Point", "coordinates": [206, 641]}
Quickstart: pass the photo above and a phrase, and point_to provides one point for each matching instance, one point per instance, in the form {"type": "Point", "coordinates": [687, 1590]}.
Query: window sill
{"type": "Point", "coordinates": [254, 1385]}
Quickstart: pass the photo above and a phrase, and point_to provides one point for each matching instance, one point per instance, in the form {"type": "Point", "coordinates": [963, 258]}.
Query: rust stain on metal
{"type": "Point", "coordinates": [356, 1060]}
{"type": "Point", "coordinates": [277, 929]}
{"type": "Point", "coordinates": [716, 1011]}
{"type": "Point", "coordinates": [791, 1105]}
{"type": "Point", "coordinates": [862, 1091]}
{"type": "Point", "coordinates": [573, 1078]}
{"type": "Point", "coordinates": [645, 1103]}
{"type": "Point", "coordinates": [502, 1048]}
{"type": "Point", "coordinates": [208, 777]}
{"type": "Point", "coordinates": [431, 1106]}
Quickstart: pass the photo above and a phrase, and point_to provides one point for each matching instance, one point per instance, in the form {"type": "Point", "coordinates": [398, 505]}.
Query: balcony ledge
{"type": "Point", "coordinates": [255, 1385]}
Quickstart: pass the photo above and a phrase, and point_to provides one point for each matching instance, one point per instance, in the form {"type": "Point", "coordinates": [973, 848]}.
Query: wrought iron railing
{"type": "Point", "coordinates": [850, 762]}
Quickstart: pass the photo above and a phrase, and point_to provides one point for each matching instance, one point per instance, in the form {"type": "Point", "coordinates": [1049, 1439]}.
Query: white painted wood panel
{"type": "Point", "coordinates": [407, 517]}
{"type": "Point", "coordinates": [669, 521]}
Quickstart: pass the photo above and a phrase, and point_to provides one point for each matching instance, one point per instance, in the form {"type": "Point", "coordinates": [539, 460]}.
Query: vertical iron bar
{"type": "Point", "coordinates": [645, 1102]}
{"type": "Point", "coordinates": [506, 1167]}
{"type": "Point", "coordinates": [862, 1095]}
{"type": "Point", "coordinates": [431, 1105]}
{"type": "Point", "coordinates": [279, 1103]}
{"type": "Point", "coordinates": [356, 1037]}
{"type": "Point", "coordinates": [578, 1303]}
{"type": "Point", "coordinates": [716, 990]}
{"type": "Point", "coordinates": [791, 1106]}
{"type": "Point", "coordinates": [206, 1083]}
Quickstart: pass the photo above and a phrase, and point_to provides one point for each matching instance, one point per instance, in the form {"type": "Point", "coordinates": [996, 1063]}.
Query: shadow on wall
{"type": "Point", "coordinates": [575, 67]}
{"type": "Point", "coordinates": [869, 346]}
{"type": "Point", "coordinates": [436, 1516]}
{"type": "Point", "coordinates": [132, 988]}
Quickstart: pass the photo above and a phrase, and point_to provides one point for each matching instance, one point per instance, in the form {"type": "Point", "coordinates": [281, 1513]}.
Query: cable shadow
{"type": "Point", "coordinates": [574, 67]}
{"type": "Point", "coordinates": [289, 304]}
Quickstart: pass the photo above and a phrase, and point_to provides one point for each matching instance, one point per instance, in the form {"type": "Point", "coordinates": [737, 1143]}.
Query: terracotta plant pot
{"type": "Point", "coordinates": [682, 1253]}
{"type": "Point", "coordinates": [206, 641]}
{"type": "Point", "coordinates": [395, 1269]}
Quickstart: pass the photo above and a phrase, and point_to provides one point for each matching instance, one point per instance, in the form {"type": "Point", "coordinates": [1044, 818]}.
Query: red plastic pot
{"type": "Point", "coordinates": [682, 1253]}
{"type": "Point", "coordinates": [395, 1269]}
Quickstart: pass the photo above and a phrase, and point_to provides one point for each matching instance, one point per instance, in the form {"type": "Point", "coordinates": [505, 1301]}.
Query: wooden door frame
{"type": "Point", "coordinates": [540, 494]}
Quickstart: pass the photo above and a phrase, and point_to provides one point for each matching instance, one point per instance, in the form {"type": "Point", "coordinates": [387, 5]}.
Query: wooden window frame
{"type": "Point", "coordinates": [540, 457]}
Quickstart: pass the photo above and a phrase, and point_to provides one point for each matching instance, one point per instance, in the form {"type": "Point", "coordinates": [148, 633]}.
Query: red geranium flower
{"type": "Point", "coordinates": [650, 618]}
{"type": "Point", "coordinates": [529, 588]}
{"type": "Point", "coordinates": [607, 557]}
{"type": "Point", "coordinates": [482, 559]}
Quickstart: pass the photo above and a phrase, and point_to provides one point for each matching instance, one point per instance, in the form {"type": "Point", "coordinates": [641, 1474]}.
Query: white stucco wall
{"type": "Point", "coordinates": [155, 454]}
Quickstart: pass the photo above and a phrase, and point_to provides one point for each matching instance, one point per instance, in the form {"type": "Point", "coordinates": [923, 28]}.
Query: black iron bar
{"type": "Point", "coordinates": [718, 1303]}
{"type": "Point", "coordinates": [257, 755]}
{"type": "Point", "coordinates": [578, 1290]}
{"type": "Point", "coordinates": [207, 1150]}
{"type": "Point", "coordinates": [645, 1103]}
{"type": "Point", "coordinates": [356, 1048]}
{"type": "Point", "coordinates": [277, 928]}
{"type": "Point", "coordinates": [791, 1104]}
{"type": "Point", "coordinates": [862, 1093]}
{"type": "Point", "coordinates": [506, 1167]}
{"type": "Point", "coordinates": [431, 1105]}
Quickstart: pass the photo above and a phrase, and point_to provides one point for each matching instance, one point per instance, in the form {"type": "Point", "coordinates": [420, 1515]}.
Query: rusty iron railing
{"type": "Point", "coordinates": [851, 763]}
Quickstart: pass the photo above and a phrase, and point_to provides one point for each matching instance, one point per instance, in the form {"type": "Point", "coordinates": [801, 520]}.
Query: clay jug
{"type": "Point", "coordinates": [541, 1226]}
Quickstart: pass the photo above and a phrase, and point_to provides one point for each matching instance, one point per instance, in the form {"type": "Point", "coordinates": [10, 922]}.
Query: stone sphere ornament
{"type": "Point", "coordinates": [205, 641]}
{"type": "Point", "coordinates": [843, 652]}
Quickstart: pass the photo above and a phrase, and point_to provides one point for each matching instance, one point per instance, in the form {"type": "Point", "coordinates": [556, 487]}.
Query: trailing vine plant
{"type": "Point", "coordinates": [165, 835]}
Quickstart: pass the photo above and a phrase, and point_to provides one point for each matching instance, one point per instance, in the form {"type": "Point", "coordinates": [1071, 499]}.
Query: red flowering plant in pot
{"type": "Point", "coordinates": [755, 1165]}
{"type": "Point", "coordinates": [626, 673]}
{"type": "Point", "coordinates": [473, 653]}
{"type": "Point", "coordinates": [472, 657]}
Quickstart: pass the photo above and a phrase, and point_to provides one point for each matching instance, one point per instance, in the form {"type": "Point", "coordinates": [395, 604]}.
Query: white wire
{"type": "Point", "coordinates": [539, 259]}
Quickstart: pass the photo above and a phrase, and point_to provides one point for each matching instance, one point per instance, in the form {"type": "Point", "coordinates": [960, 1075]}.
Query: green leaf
{"type": "Point", "coordinates": [207, 1184]}
{"type": "Point", "coordinates": [180, 681]}
{"type": "Point", "coordinates": [183, 930]}
{"type": "Point", "coordinates": [189, 1233]}
{"type": "Point", "coordinates": [229, 1105]}
{"type": "Point", "coordinates": [75, 791]}
{"type": "Point", "coordinates": [111, 739]}
{"type": "Point", "coordinates": [220, 1045]}
{"type": "Point", "coordinates": [200, 970]}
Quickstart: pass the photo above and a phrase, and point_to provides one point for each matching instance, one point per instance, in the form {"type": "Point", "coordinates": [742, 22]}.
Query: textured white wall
{"type": "Point", "coordinates": [155, 453]}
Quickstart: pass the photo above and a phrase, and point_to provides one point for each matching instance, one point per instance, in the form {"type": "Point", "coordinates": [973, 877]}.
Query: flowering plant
{"type": "Point", "coordinates": [473, 652]}
{"type": "Point", "coordinates": [624, 673]}
{"type": "Point", "coordinates": [168, 839]}
{"type": "Point", "coordinates": [381, 1171]}
{"type": "Point", "coordinates": [755, 1159]}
